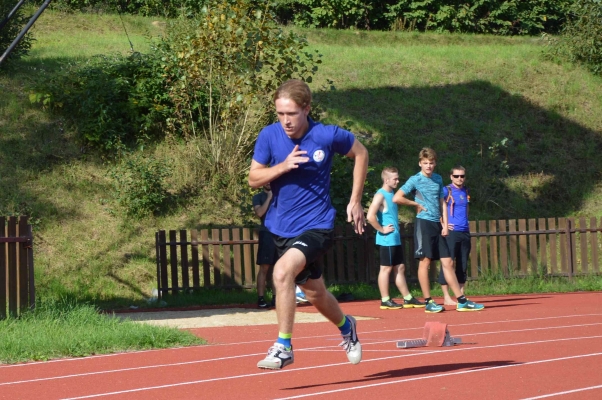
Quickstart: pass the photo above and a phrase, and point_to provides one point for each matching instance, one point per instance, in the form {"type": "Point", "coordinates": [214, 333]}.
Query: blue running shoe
{"type": "Point", "coordinates": [432, 307]}
{"type": "Point", "coordinates": [301, 299]}
{"type": "Point", "coordinates": [469, 306]}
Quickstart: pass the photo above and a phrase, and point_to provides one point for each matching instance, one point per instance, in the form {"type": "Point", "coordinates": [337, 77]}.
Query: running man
{"type": "Point", "coordinates": [431, 228]}
{"type": "Point", "coordinates": [295, 156]}
{"type": "Point", "coordinates": [457, 199]}
{"type": "Point", "coordinates": [383, 217]}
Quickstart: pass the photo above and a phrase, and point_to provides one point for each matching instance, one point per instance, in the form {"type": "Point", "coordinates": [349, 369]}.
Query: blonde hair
{"type": "Point", "coordinates": [296, 90]}
{"type": "Point", "coordinates": [427, 153]}
{"type": "Point", "coordinates": [388, 170]}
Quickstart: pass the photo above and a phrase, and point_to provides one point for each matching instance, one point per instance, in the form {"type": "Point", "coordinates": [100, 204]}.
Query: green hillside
{"type": "Point", "coordinates": [529, 132]}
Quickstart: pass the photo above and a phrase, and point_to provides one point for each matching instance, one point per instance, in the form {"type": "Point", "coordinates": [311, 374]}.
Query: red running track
{"type": "Point", "coordinates": [535, 346]}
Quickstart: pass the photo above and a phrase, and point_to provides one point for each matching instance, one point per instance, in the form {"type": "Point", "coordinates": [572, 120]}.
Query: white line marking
{"type": "Point", "coordinates": [440, 375]}
{"type": "Point", "coordinates": [313, 349]}
{"type": "Point", "coordinates": [126, 353]}
{"type": "Point", "coordinates": [363, 333]}
{"type": "Point", "coordinates": [566, 392]}
{"type": "Point", "coordinates": [331, 365]}
{"type": "Point", "coordinates": [129, 369]}
{"type": "Point", "coordinates": [471, 334]}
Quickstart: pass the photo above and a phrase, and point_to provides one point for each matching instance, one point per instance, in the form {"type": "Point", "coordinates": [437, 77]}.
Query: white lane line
{"type": "Point", "coordinates": [330, 365]}
{"type": "Point", "coordinates": [127, 353]}
{"type": "Point", "coordinates": [363, 333]}
{"type": "Point", "coordinates": [440, 376]}
{"type": "Point", "coordinates": [565, 392]}
{"type": "Point", "coordinates": [313, 349]}
{"type": "Point", "coordinates": [383, 341]}
{"type": "Point", "coordinates": [129, 369]}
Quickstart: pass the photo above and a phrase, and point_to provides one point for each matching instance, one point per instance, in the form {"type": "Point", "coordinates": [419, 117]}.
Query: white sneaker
{"type": "Point", "coordinates": [278, 357]}
{"type": "Point", "coordinates": [351, 343]}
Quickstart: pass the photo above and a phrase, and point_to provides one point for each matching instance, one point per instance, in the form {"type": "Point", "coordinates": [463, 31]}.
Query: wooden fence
{"type": "Point", "coordinates": [225, 257]}
{"type": "Point", "coordinates": [17, 291]}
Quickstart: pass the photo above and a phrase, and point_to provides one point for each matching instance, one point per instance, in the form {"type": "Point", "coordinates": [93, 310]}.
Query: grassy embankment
{"type": "Point", "coordinates": [460, 94]}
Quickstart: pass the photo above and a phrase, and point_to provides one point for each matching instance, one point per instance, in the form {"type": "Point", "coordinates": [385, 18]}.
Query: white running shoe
{"type": "Point", "coordinates": [278, 357]}
{"type": "Point", "coordinates": [351, 343]}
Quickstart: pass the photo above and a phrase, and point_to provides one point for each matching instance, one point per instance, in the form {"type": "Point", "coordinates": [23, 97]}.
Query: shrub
{"type": "Point", "coordinates": [140, 185]}
{"type": "Point", "coordinates": [221, 70]}
{"type": "Point", "coordinates": [581, 39]}
{"type": "Point", "coordinates": [11, 30]}
{"type": "Point", "coordinates": [481, 16]}
{"type": "Point", "coordinates": [362, 14]}
{"type": "Point", "coordinates": [166, 8]}
{"type": "Point", "coordinates": [114, 101]}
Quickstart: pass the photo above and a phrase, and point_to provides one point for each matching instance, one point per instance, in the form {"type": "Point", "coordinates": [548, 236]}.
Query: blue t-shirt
{"type": "Point", "coordinates": [388, 216]}
{"type": "Point", "coordinates": [457, 210]}
{"type": "Point", "coordinates": [300, 197]}
{"type": "Point", "coordinates": [427, 192]}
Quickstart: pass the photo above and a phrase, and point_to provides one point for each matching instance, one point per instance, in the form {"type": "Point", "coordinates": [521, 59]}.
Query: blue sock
{"type": "Point", "coordinates": [284, 339]}
{"type": "Point", "coordinates": [344, 326]}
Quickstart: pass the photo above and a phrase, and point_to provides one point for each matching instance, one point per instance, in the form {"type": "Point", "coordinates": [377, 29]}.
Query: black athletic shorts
{"type": "Point", "coordinates": [313, 244]}
{"type": "Point", "coordinates": [459, 245]}
{"type": "Point", "coordinates": [266, 251]}
{"type": "Point", "coordinates": [428, 241]}
{"type": "Point", "coordinates": [390, 256]}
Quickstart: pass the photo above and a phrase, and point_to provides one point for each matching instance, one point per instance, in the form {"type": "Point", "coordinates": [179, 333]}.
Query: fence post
{"type": "Point", "coordinates": [13, 284]}
{"type": "Point", "coordinates": [32, 286]}
{"type": "Point", "coordinates": [569, 248]}
{"type": "Point", "coordinates": [3, 270]}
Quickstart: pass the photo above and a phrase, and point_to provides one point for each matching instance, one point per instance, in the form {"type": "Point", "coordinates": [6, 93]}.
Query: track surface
{"type": "Point", "coordinates": [521, 347]}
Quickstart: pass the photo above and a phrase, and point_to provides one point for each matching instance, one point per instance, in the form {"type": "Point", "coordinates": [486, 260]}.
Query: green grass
{"type": "Point", "coordinates": [487, 284]}
{"type": "Point", "coordinates": [461, 95]}
{"type": "Point", "coordinates": [399, 92]}
{"type": "Point", "coordinates": [68, 329]}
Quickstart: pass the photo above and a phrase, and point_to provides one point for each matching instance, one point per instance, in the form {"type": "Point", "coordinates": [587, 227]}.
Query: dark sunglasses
{"type": "Point", "coordinates": [458, 176]}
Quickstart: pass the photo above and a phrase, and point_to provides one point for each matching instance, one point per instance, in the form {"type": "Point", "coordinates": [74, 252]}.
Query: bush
{"type": "Point", "coordinates": [581, 39]}
{"type": "Point", "coordinates": [222, 69]}
{"type": "Point", "coordinates": [362, 14]}
{"type": "Point", "coordinates": [11, 30]}
{"type": "Point", "coordinates": [140, 185]}
{"type": "Point", "coordinates": [165, 8]}
{"type": "Point", "coordinates": [114, 101]}
{"type": "Point", "coordinates": [481, 16]}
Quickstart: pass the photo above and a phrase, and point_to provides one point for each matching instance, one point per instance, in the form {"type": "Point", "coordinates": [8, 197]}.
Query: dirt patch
{"type": "Point", "coordinates": [219, 317]}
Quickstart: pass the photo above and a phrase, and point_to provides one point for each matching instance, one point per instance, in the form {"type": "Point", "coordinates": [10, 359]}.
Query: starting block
{"type": "Point", "coordinates": [435, 334]}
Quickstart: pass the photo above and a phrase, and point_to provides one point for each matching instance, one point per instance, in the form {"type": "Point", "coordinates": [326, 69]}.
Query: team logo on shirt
{"type": "Point", "coordinates": [319, 155]}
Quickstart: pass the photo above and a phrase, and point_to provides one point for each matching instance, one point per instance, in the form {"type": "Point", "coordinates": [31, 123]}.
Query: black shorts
{"type": "Point", "coordinates": [391, 256]}
{"type": "Point", "coordinates": [266, 251]}
{"type": "Point", "coordinates": [313, 244]}
{"type": "Point", "coordinates": [459, 245]}
{"type": "Point", "coordinates": [428, 241]}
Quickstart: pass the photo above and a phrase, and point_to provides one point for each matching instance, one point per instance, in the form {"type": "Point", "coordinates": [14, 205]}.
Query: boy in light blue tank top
{"type": "Point", "coordinates": [382, 215]}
